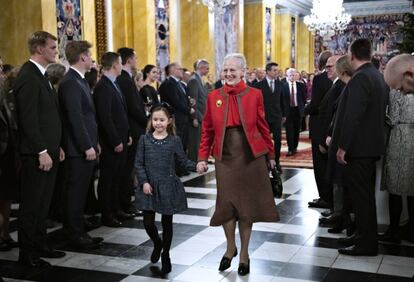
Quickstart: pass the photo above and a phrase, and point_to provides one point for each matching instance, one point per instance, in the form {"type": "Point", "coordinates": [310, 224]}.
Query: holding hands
{"type": "Point", "coordinates": [202, 167]}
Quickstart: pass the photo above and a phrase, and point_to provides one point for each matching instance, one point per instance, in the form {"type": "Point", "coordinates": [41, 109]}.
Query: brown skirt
{"type": "Point", "coordinates": [244, 191]}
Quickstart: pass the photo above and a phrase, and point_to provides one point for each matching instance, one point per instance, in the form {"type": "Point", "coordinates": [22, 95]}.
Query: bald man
{"type": "Point", "coordinates": [399, 73]}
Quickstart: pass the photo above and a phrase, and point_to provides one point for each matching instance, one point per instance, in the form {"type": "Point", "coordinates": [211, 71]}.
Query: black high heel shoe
{"type": "Point", "coordinates": [226, 262]}
{"type": "Point", "coordinates": [244, 268]}
{"type": "Point", "coordinates": [156, 252]}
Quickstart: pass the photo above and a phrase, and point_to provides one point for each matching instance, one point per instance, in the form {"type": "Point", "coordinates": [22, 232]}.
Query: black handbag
{"type": "Point", "coordinates": [277, 184]}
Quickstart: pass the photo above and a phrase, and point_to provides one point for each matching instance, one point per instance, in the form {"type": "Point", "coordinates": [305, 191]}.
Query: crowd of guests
{"type": "Point", "coordinates": [64, 126]}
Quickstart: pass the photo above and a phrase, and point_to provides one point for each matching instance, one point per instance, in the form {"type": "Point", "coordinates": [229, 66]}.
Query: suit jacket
{"type": "Point", "coordinates": [197, 90]}
{"type": "Point", "coordinates": [171, 92]}
{"type": "Point", "coordinates": [80, 130]}
{"type": "Point", "coordinates": [327, 108]}
{"type": "Point", "coordinates": [252, 116]}
{"type": "Point", "coordinates": [273, 101]}
{"type": "Point", "coordinates": [135, 105]}
{"type": "Point", "coordinates": [321, 85]}
{"type": "Point", "coordinates": [111, 114]}
{"type": "Point", "coordinates": [38, 114]}
{"type": "Point", "coordinates": [359, 124]}
{"type": "Point", "coordinates": [300, 98]}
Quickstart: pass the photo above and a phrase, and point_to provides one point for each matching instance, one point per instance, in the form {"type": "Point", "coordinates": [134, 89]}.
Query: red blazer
{"type": "Point", "coordinates": [251, 109]}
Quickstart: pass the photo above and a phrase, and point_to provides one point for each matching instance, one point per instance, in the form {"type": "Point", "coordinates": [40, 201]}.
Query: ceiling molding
{"type": "Point", "coordinates": [302, 7]}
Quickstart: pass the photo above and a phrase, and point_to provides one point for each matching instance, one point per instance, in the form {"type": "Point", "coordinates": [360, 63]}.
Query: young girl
{"type": "Point", "coordinates": [160, 190]}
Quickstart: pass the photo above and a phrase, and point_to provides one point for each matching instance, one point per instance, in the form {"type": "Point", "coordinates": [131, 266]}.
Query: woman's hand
{"type": "Point", "coordinates": [147, 189]}
{"type": "Point", "coordinates": [202, 167]}
{"type": "Point", "coordinates": [328, 141]}
{"type": "Point", "coordinates": [271, 164]}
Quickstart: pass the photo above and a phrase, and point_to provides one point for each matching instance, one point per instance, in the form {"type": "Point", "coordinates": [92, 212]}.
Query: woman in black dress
{"type": "Point", "coordinates": [148, 92]}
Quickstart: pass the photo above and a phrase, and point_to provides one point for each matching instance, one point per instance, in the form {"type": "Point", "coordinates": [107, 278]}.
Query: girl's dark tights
{"type": "Point", "coordinates": [152, 231]}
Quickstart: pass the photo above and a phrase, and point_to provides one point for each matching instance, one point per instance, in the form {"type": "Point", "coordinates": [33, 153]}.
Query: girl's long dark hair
{"type": "Point", "coordinates": [171, 129]}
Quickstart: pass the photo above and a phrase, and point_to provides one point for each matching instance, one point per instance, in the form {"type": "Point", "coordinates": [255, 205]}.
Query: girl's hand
{"type": "Point", "coordinates": [147, 189]}
{"type": "Point", "coordinates": [202, 167]}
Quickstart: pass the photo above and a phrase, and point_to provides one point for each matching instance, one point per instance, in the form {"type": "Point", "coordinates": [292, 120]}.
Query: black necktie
{"type": "Point", "coordinates": [46, 76]}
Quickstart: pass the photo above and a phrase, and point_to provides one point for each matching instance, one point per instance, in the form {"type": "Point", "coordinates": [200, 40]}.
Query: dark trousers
{"type": "Point", "coordinates": [111, 168]}
{"type": "Point", "coordinates": [56, 210]}
{"type": "Point", "coordinates": [276, 130]}
{"type": "Point", "coordinates": [127, 184]}
{"type": "Point", "coordinates": [79, 174]}
{"type": "Point", "coordinates": [320, 165]}
{"type": "Point", "coordinates": [359, 179]}
{"type": "Point", "coordinates": [182, 131]}
{"type": "Point", "coordinates": [293, 123]}
{"type": "Point", "coordinates": [194, 136]}
{"type": "Point", "coordinates": [36, 192]}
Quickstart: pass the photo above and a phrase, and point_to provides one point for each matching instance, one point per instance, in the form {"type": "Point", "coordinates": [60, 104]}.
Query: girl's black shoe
{"type": "Point", "coordinates": [226, 262]}
{"type": "Point", "coordinates": [156, 252]}
{"type": "Point", "coordinates": [166, 263]}
{"type": "Point", "coordinates": [244, 268]}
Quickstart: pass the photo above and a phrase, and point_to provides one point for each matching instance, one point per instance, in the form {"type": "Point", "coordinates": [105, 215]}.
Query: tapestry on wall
{"type": "Point", "coordinates": [162, 38]}
{"type": "Point", "coordinates": [226, 34]}
{"type": "Point", "coordinates": [383, 31]}
{"type": "Point", "coordinates": [69, 23]}
{"type": "Point", "coordinates": [268, 24]}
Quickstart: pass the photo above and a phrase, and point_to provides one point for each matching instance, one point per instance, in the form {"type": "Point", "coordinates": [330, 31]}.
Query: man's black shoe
{"type": "Point", "coordinates": [334, 219]}
{"type": "Point", "coordinates": [50, 253]}
{"type": "Point", "coordinates": [111, 222]}
{"type": "Point", "coordinates": [347, 241]}
{"type": "Point", "coordinates": [358, 251]}
{"type": "Point", "coordinates": [319, 204]}
{"type": "Point", "coordinates": [326, 213]}
{"type": "Point", "coordinates": [89, 224]}
{"type": "Point", "coordinates": [33, 261]}
{"type": "Point", "coordinates": [121, 216]}
{"type": "Point", "coordinates": [83, 243]}
{"type": "Point", "coordinates": [390, 236]}
{"type": "Point", "coordinates": [289, 153]}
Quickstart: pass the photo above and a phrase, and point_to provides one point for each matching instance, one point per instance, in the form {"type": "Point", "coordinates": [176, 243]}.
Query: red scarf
{"type": "Point", "coordinates": [233, 117]}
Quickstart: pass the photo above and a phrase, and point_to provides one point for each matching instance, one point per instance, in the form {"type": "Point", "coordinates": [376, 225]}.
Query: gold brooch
{"type": "Point", "coordinates": [219, 103]}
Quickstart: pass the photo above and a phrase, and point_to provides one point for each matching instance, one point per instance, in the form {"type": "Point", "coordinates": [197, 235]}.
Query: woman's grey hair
{"type": "Point", "coordinates": [56, 72]}
{"type": "Point", "coordinates": [238, 56]}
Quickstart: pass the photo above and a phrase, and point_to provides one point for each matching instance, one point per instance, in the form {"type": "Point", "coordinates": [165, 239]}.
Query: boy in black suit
{"type": "Point", "coordinates": [114, 137]}
{"type": "Point", "coordinates": [80, 140]}
{"type": "Point", "coordinates": [40, 132]}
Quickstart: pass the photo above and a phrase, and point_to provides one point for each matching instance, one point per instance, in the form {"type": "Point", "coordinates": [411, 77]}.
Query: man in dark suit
{"type": "Point", "coordinates": [114, 137]}
{"type": "Point", "coordinates": [219, 83]}
{"type": "Point", "coordinates": [80, 141]}
{"type": "Point", "coordinates": [40, 133]}
{"type": "Point", "coordinates": [321, 85]}
{"type": "Point", "coordinates": [360, 136]}
{"type": "Point", "coordinates": [137, 124]}
{"type": "Point", "coordinates": [325, 113]}
{"type": "Point", "coordinates": [294, 95]}
{"type": "Point", "coordinates": [173, 92]}
{"type": "Point", "coordinates": [273, 102]}
{"type": "Point", "coordinates": [198, 91]}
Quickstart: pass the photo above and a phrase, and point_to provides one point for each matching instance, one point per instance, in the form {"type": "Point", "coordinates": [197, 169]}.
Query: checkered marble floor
{"type": "Point", "coordinates": [295, 249]}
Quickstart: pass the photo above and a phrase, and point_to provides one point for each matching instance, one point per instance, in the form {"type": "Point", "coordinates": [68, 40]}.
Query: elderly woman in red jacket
{"type": "Point", "coordinates": [234, 129]}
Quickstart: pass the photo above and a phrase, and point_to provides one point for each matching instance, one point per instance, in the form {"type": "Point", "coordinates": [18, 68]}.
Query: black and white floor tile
{"type": "Point", "coordinates": [295, 249]}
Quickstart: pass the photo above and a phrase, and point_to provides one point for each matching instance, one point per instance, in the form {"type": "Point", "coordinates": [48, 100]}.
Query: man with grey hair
{"type": "Point", "coordinates": [197, 90]}
{"type": "Point", "coordinates": [399, 73]}
{"type": "Point", "coordinates": [321, 85]}
{"type": "Point", "coordinates": [294, 95]}
{"type": "Point", "coordinates": [173, 92]}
